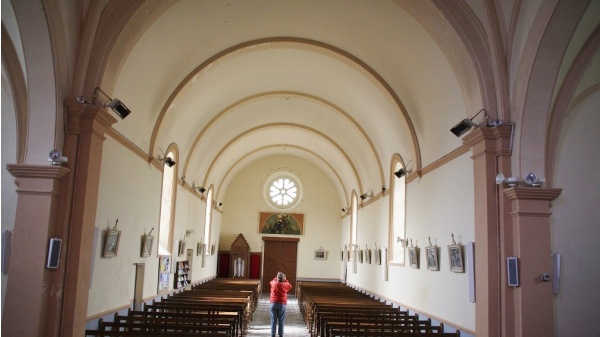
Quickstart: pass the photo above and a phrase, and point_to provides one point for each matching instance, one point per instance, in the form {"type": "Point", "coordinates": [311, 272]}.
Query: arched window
{"type": "Point", "coordinates": [167, 202]}
{"type": "Point", "coordinates": [208, 220]}
{"type": "Point", "coordinates": [353, 222]}
{"type": "Point", "coordinates": [397, 231]}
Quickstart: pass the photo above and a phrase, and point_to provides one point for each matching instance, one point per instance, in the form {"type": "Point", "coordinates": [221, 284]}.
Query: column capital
{"type": "Point", "coordinates": [84, 117]}
{"type": "Point", "coordinates": [492, 139]}
{"type": "Point", "coordinates": [38, 171]}
{"type": "Point", "coordinates": [532, 193]}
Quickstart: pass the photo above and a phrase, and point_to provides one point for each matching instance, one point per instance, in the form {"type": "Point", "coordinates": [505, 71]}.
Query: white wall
{"type": "Point", "coordinates": [320, 205]}
{"type": "Point", "coordinates": [438, 205]}
{"type": "Point", "coordinates": [136, 203]}
{"type": "Point", "coordinates": [9, 156]}
{"type": "Point", "coordinates": [575, 224]}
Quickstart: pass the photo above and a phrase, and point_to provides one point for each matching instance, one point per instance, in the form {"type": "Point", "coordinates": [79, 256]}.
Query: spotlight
{"type": "Point", "coordinates": [533, 180]}
{"type": "Point", "coordinates": [344, 209]}
{"type": "Point", "coordinates": [115, 104]}
{"type": "Point", "coordinates": [168, 161]}
{"type": "Point", "coordinates": [219, 204]}
{"type": "Point", "coordinates": [402, 172]}
{"type": "Point", "coordinates": [56, 158]}
{"type": "Point", "coordinates": [466, 124]}
{"type": "Point", "coordinates": [201, 189]}
{"type": "Point", "coordinates": [366, 195]}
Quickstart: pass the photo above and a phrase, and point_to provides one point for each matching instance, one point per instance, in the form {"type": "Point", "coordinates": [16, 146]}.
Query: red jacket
{"type": "Point", "coordinates": [279, 291]}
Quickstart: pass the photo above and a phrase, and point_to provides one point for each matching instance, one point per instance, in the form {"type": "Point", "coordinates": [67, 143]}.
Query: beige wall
{"type": "Point", "coordinates": [431, 212]}
{"type": "Point", "coordinates": [320, 206]}
{"type": "Point", "coordinates": [575, 227]}
{"type": "Point", "coordinates": [9, 156]}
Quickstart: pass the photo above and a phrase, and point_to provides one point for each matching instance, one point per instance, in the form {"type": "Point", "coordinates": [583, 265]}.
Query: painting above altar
{"type": "Point", "coordinates": [281, 223]}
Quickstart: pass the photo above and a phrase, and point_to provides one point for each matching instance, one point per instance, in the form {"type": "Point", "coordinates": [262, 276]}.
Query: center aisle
{"type": "Point", "coordinates": [261, 319]}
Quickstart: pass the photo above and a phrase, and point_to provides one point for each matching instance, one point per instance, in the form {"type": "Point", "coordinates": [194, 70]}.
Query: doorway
{"type": "Point", "coordinates": [280, 255]}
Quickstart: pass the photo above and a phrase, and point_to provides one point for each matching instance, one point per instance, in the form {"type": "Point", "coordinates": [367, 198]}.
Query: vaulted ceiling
{"type": "Point", "coordinates": [342, 84]}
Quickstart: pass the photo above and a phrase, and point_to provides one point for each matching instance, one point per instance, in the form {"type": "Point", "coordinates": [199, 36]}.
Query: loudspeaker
{"type": "Point", "coordinates": [54, 253]}
{"type": "Point", "coordinates": [6, 247]}
{"type": "Point", "coordinates": [556, 273]}
{"type": "Point", "coordinates": [512, 271]}
{"type": "Point", "coordinates": [471, 269]}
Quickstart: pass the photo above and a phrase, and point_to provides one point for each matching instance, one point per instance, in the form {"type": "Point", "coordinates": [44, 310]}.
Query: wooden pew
{"type": "Point", "coordinates": [219, 308]}
{"type": "Point", "coordinates": [333, 309]}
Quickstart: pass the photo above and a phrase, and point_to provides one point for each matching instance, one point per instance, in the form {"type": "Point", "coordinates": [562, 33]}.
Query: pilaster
{"type": "Point", "coordinates": [487, 145]}
{"type": "Point", "coordinates": [84, 141]}
{"type": "Point", "coordinates": [32, 290]}
{"type": "Point", "coordinates": [533, 304]}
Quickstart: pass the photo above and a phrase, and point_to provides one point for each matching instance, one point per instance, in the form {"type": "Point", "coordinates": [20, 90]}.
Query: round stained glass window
{"type": "Point", "coordinates": [283, 190]}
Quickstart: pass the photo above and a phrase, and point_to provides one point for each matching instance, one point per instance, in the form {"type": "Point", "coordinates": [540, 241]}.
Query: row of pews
{"type": "Point", "coordinates": [220, 307]}
{"type": "Point", "coordinates": [336, 310]}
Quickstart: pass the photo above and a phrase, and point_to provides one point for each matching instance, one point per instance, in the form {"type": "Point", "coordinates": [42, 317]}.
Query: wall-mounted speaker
{"type": "Point", "coordinates": [471, 269]}
{"type": "Point", "coordinates": [512, 271]}
{"type": "Point", "coordinates": [6, 247]}
{"type": "Point", "coordinates": [54, 253]}
{"type": "Point", "coordinates": [556, 273]}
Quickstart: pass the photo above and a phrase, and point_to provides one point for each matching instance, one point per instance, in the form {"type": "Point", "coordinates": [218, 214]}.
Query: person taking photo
{"type": "Point", "coordinates": [278, 302]}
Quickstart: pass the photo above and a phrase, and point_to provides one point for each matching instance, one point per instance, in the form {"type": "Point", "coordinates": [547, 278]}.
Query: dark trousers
{"type": "Point", "coordinates": [277, 317]}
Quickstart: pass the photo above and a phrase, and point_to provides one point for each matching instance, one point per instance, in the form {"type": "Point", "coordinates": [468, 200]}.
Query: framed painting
{"type": "Point", "coordinates": [320, 254]}
{"type": "Point", "coordinates": [377, 253]}
{"type": "Point", "coordinates": [181, 250]}
{"type": "Point", "coordinates": [147, 245]}
{"type": "Point", "coordinates": [164, 270]}
{"type": "Point", "coordinates": [455, 258]}
{"type": "Point", "coordinates": [432, 258]}
{"type": "Point", "coordinates": [368, 256]}
{"type": "Point", "coordinates": [413, 257]}
{"type": "Point", "coordinates": [281, 223]}
{"type": "Point", "coordinates": [111, 245]}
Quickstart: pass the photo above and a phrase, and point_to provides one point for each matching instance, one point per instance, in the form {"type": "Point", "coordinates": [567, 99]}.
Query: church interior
{"type": "Point", "coordinates": [439, 155]}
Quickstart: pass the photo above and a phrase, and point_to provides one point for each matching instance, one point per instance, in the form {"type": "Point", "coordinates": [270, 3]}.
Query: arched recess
{"type": "Point", "coordinates": [475, 39]}
{"type": "Point", "coordinates": [536, 100]}
{"type": "Point", "coordinates": [208, 220]}
{"type": "Point", "coordinates": [167, 202]}
{"type": "Point", "coordinates": [353, 223]}
{"type": "Point", "coordinates": [105, 24]}
{"type": "Point", "coordinates": [231, 168]}
{"type": "Point", "coordinates": [565, 99]}
{"type": "Point", "coordinates": [397, 211]}
{"type": "Point", "coordinates": [18, 90]}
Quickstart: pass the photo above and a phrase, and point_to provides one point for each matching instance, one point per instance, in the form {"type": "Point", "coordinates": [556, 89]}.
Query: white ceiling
{"type": "Point", "coordinates": [343, 84]}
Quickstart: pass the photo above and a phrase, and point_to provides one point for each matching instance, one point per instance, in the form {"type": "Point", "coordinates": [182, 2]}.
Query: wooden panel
{"type": "Point", "coordinates": [279, 256]}
{"type": "Point", "coordinates": [223, 261]}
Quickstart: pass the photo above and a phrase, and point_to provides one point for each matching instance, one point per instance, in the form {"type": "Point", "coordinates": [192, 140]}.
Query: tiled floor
{"type": "Point", "coordinates": [261, 319]}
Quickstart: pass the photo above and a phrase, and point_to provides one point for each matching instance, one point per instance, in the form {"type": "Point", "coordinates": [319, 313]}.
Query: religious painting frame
{"type": "Point", "coordinates": [147, 245]}
{"type": "Point", "coordinates": [413, 257]}
{"type": "Point", "coordinates": [455, 258]}
{"type": "Point", "coordinates": [281, 223]}
{"type": "Point", "coordinates": [111, 244]}
{"type": "Point", "coordinates": [431, 254]}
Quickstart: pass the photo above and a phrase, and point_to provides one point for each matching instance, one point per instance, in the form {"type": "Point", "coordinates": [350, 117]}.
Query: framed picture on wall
{"type": "Point", "coordinates": [147, 245]}
{"type": "Point", "coordinates": [320, 254]}
{"type": "Point", "coordinates": [432, 258]}
{"type": "Point", "coordinates": [181, 247]}
{"type": "Point", "coordinates": [455, 258]}
{"type": "Point", "coordinates": [111, 245]}
{"type": "Point", "coordinates": [413, 257]}
{"type": "Point", "coordinates": [377, 253]}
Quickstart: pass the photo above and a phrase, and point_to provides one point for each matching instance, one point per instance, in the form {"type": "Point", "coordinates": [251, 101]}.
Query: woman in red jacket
{"type": "Point", "coordinates": [279, 289]}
